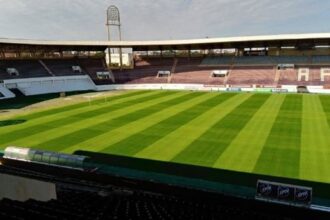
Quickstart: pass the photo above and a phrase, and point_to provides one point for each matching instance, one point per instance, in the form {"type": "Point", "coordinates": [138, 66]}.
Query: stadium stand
{"type": "Point", "coordinates": [288, 77]}
{"type": "Point", "coordinates": [91, 195]}
{"type": "Point", "coordinates": [145, 71]}
{"type": "Point", "coordinates": [321, 59]}
{"type": "Point", "coordinates": [51, 67]}
{"type": "Point", "coordinates": [252, 75]}
{"type": "Point", "coordinates": [243, 70]}
{"type": "Point", "coordinates": [293, 59]}
{"type": "Point", "coordinates": [215, 61]}
{"type": "Point", "coordinates": [140, 75]}
{"type": "Point", "coordinates": [184, 62]}
{"type": "Point", "coordinates": [3, 72]}
{"type": "Point", "coordinates": [265, 60]}
{"type": "Point", "coordinates": [253, 60]}
{"type": "Point", "coordinates": [63, 67]}
{"type": "Point", "coordinates": [25, 69]}
{"type": "Point", "coordinates": [191, 72]}
{"type": "Point", "coordinates": [92, 66]}
{"type": "Point", "coordinates": [312, 78]}
{"type": "Point", "coordinates": [249, 70]}
{"type": "Point", "coordinates": [314, 75]}
{"type": "Point", "coordinates": [183, 70]}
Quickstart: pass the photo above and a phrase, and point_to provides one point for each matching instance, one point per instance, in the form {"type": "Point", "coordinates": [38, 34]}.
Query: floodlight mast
{"type": "Point", "coordinates": [113, 19]}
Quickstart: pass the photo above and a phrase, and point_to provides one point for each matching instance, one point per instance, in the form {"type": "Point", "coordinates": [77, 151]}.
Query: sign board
{"type": "Point", "coordinates": [263, 90]}
{"type": "Point", "coordinates": [279, 90]}
{"type": "Point", "coordinates": [284, 193]}
{"type": "Point", "coordinates": [233, 89]}
{"type": "Point", "coordinates": [286, 66]}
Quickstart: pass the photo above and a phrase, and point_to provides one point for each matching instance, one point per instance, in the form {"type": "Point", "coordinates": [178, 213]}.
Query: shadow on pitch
{"type": "Point", "coordinates": [11, 122]}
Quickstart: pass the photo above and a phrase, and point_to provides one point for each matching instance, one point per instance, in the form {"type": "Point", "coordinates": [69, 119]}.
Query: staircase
{"type": "Point", "coordinates": [175, 63]}
{"type": "Point", "coordinates": [6, 93]}
{"type": "Point", "coordinates": [226, 77]}
{"type": "Point", "coordinates": [277, 75]}
{"type": "Point", "coordinates": [46, 68]}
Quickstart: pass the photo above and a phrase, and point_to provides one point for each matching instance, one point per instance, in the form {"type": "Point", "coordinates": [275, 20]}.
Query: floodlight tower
{"type": "Point", "coordinates": [113, 19]}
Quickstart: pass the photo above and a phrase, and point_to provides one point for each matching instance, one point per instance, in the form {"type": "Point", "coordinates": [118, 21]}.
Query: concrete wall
{"type": "Point", "coordinates": [22, 189]}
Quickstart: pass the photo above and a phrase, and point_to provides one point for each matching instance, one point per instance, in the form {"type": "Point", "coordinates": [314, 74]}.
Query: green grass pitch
{"type": "Point", "coordinates": [286, 135]}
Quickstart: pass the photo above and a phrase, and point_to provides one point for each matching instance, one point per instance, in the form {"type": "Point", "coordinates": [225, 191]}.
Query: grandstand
{"type": "Point", "coordinates": [247, 71]}
{"type": "Point", "coordinates": [251, 62]}
{"type": "Point", "coordinates": [97, 195]}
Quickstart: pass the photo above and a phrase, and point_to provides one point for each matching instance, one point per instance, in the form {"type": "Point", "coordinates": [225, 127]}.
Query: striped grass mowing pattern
{"type": "Point", "coordinates": [39, 117]}
{"type": "Point", "coordinates": [151, 134]}
{"type": "Point", "coordinates": [167, 147]}
{"type": "Point", "coordinates": [111, 123]}
{"type": "Point", "coordinates": [249, 143]}
{"type": "Point", "coordinates": [80, 105]}
{"type": "Point", "coordinates": [315, 139]}
{"type": "Point", "coordinates": [276, 134]}
{"type": "Point", "coordinates": [58, 122]}
{"type": "Point", "coordinates": [208, 147]}
{"type": "Point", "coordinates": [281, 152]}
{"type": "Point", "coordinates": [132, 127]}
{"type": "Point", "coordinates": [92, 126]}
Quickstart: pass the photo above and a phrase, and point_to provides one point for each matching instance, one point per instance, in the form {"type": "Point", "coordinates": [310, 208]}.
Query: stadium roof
{"type": "Point", "coordinates": [297, 40]}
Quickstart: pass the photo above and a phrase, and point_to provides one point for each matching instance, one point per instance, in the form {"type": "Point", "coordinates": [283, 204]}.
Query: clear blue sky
{"type": "Point", "coordinates": [161, 19]}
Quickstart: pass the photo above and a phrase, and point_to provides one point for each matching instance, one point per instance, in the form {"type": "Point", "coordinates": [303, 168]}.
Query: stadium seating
{"type": "Point", "coordinates": [215, 61]}
{"type": "Point", "coordinates": [252, 75]}
{"type": "Point", "coordinates": [244, 70]}
{"type": "Point", "coordinates": [92, 66]}
{"type": "Point", "coordinates": [62, 67]}
{"type": "Point", "coordinates": [51, 67]}
{"type": "Point", "coordinates": [86, 205]}
{"type": "Point", "coordinates": [314, 76]}
{"type": "Point", "coordinates": [321, 59]}
{"type": "Point", "coordinates": [195, 74]}
{"type": "Point", "coordinates": [143, 62]}
{"type": "Point", "coordinates": [93, 197]}
{"type": "Point", "coordinates": [265, 60]}
{"type": "Point", "coordinates": [183, 71]}
{"type": "Point", "coordinates": [288, 77]}
{"type": "Point", "coordinates": [3, 72]}
{"type": "Point", "coordinates": [141, 75]}
{"type": "Point", "coordinates": [293, 59]}
{"type": "Point", "coordinates": [25, 68]}
{"type": "Point", "coordinates": [253, 60]}
{"type": "Point", "coordinates": [145, 71]}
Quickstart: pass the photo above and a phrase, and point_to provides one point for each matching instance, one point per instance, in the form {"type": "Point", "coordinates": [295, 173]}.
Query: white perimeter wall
{"type": "Point", "coordinates": [201, 87]}
{"type": "Point", "coordinates": [45, 85]}
{"type": "Point", "coordinates": [195, 87]}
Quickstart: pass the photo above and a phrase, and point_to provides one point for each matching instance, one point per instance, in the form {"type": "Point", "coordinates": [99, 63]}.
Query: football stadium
{"type": "Point", "coordinates": [213, 128]}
